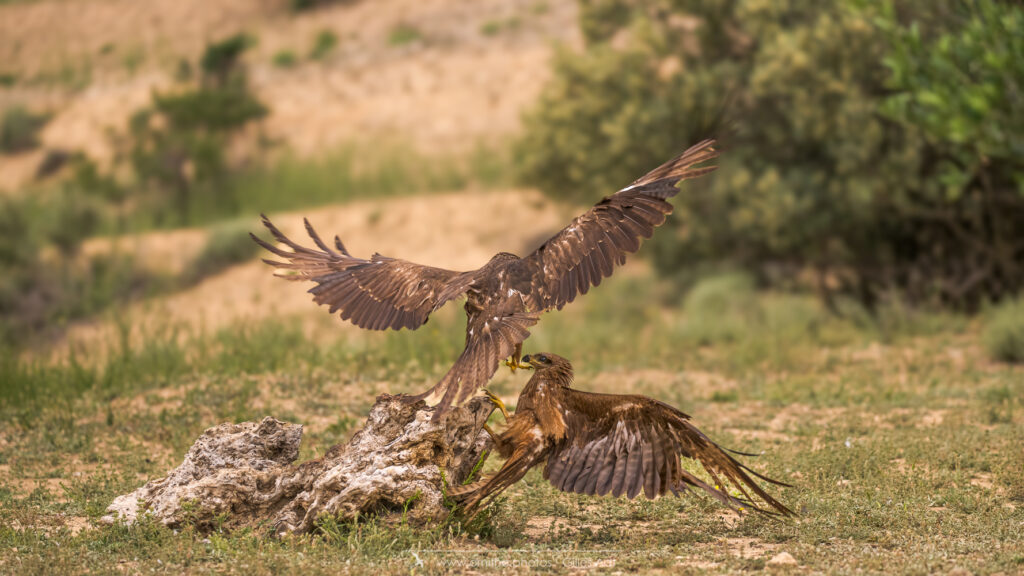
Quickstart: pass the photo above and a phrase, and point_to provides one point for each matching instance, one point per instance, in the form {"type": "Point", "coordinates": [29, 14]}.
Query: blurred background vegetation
{"type": "Point", "coordinates": [874, 153]}
{"type": "Point", "coordinates": [873, 149]}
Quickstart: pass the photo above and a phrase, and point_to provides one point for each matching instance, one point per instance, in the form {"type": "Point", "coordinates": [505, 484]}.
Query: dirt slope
{"type": "Point", "coordinates": [466, 74]}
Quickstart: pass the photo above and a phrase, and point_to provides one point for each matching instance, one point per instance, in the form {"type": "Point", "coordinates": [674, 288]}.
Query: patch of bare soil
{"type": "Point", "coordinates": [748, 547]}
{"type": "Point", "coordinates": [447, 88]}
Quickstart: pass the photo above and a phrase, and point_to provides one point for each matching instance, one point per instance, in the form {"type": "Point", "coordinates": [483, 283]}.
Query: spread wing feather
{"type": "Point", "coordinates": [623, 444]}
{"type": "Point", "coordinates": [587, 251]}
{"type": "Point", "coordinates": [376, 294]}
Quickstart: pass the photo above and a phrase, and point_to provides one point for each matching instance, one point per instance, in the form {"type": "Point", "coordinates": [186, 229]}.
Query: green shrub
{"type": "Point", "coordinates": [176, 146]}
{"type": "Point", "coordinates": [876, 154]}
{"type": "Point", "coordinates": [19, 129]}
{"type": "Point", "coordinates": [1004, 332]}
{"type": "Point", "coordinates": [221, 61]}
{"type": "Point", "coordinates": [323, 44]}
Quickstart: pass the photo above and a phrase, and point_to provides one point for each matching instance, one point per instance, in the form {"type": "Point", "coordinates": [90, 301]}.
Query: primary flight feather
{"type": "Point", "coordinates": [506, 296]}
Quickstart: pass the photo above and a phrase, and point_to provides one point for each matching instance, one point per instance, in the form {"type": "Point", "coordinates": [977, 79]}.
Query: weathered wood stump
{"type": "Point", "coordinates": [242, 474]}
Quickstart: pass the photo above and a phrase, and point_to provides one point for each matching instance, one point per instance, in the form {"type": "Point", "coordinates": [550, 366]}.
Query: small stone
{"type": "Point", "coordinates": [782, 559]}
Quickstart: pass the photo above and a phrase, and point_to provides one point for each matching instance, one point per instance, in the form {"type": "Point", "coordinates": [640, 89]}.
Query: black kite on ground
{"type": "Point", "coordinates": [618, 444]}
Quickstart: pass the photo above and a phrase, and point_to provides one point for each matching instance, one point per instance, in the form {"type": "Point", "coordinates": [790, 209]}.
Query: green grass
{"type": "Point", "coordinates": [1004, 332]}
{"type": "Point", "coordinates": [403, 34]}
{"type": "Point", "coordinates": [903, 443]}
{"type": "Point", "coordinates": [285, 59]}
{"type": "Point", "coordinates": [345, 174]}
{"type": "Point", "coordinates": [351, 173]}
{"type": "Point", "coordinates": [324, 43]}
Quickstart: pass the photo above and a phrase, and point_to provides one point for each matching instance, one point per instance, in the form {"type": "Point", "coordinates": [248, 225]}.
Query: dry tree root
{"type": "Point", "coordinates": [239, 475]}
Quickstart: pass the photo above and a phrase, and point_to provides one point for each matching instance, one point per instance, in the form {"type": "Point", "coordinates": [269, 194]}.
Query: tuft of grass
{"type": "Point", "coordinates": [285, 59]}
{"type": "Point", "coordinates": [324, 43]}
{"type": "Point", "coordinates": [403, 34]}
{"type": "Point", "coordinates": [720, 309]}
{"type": "Point", "coordinates": [19, 129]}
{"type": "Point", "coordinates": [490, 28]}
{"type": "Point", "coordinates": [1003, 335]}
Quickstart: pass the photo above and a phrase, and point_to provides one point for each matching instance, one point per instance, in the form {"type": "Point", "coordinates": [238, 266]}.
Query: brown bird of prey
{"type": "Point", "coordinates": [504, 297]}
{"type": "Point", "coordinates": [618, 444]}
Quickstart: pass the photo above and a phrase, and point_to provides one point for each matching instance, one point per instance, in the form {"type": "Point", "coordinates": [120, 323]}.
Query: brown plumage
{"type": "Point", "coordinates": [504, 297]}
{"type": "Point", "coordinates": [618, 444]}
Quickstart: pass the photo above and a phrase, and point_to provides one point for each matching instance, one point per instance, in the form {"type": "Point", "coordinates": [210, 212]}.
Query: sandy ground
{"type": "Point", "coordinates": [92, 63]}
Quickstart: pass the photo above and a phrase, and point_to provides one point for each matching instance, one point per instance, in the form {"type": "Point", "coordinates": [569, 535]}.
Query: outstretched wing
{"type": "Point", "coordinates": [491, 335]}
{"type": "Point", "coordinates": [624, 445]}
{"type": "Point", "coordinates": [587, 250]}
{"type": "Point", "coordinates": [376, 294]}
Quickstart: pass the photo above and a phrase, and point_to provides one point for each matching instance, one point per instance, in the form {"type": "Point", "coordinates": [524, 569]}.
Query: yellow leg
{"type": "Point", "coordinates": [499, 404]}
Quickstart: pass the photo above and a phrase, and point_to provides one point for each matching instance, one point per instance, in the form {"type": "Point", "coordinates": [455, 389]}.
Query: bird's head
{"type": "Point", "coordinates": [548, 364]}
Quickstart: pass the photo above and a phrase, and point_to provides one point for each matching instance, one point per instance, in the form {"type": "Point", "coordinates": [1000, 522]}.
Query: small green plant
{"type": "Point", "coordinates": [285, 59]}
{"type": "Point", "coordinates": [19, 129]}
{"type": "Point", "coordinates": [1004, 332]}
{"type": "Point", "coordinates": [132, 59]}
{"type": "Point", "coordinates": [324, 43]}
{"type": "Point", "coordinates": [404, 34]}
{"type": "Point", "coordinates": [8, 79]}
{"type": "Point", "coordinates": [490, 28]}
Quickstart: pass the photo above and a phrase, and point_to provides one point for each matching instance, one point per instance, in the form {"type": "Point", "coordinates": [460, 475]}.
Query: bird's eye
{"type": "Point", "coordinates": [542, 358]}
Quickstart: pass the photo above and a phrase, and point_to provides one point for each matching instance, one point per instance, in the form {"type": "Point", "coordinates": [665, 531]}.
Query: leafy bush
{"type": "Point", "coordinates": [19, 129]}
{"type": "Point", "coordinates": [905, 177]}
{"type": "Point", "coordinates": [1004, 332]}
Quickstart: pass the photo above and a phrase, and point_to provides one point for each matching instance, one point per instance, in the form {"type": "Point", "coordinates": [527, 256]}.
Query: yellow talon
{"type": "Point", "coordinates": [514, 365]}
{"type": "Point", "coordinates": [498, 403]}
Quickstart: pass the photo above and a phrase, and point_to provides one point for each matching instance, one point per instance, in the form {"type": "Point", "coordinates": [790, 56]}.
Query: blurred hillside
{"type": "Point", "coordinates": [441, 74]}
{"type": "Point", "coordinates": [873, 152]}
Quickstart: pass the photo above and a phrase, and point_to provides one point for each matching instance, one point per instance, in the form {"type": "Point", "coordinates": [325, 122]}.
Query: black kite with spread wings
{"type": "Point", "coordinates": [504, 297]}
